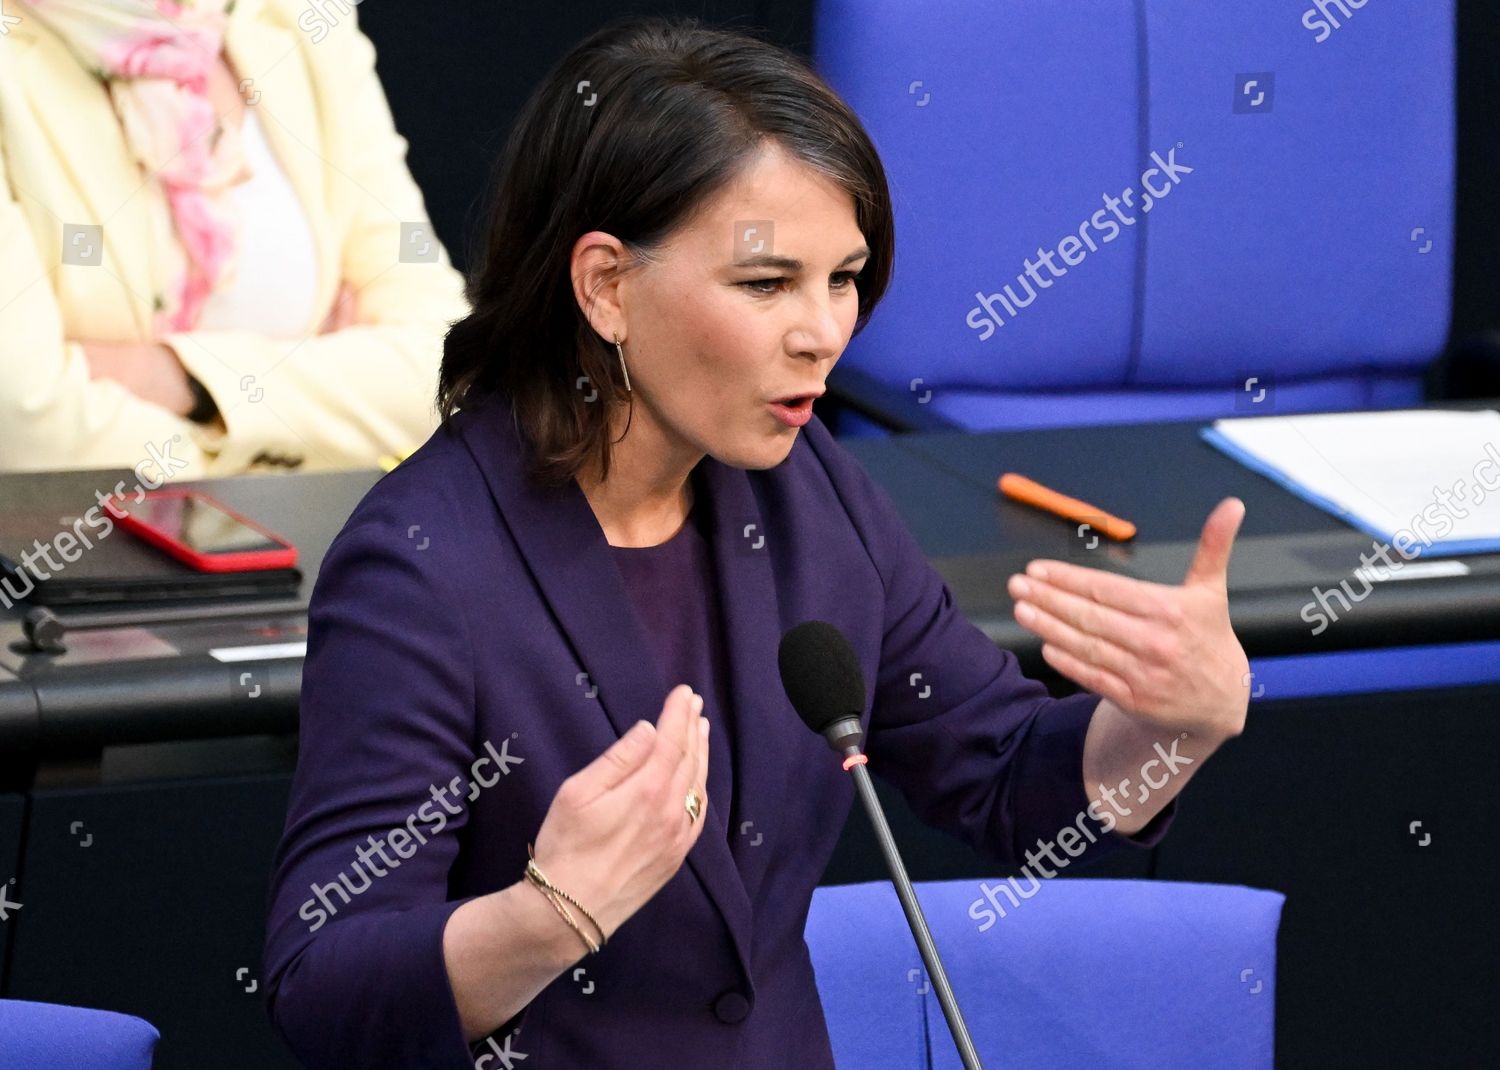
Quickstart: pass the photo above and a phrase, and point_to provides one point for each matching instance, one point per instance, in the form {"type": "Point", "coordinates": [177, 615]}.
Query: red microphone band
{"type": "Point", "coordinates": [855, 759]}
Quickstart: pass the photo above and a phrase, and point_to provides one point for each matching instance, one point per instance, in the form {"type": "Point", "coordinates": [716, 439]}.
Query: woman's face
{"type": "Point", "coordinates": [751, 301]}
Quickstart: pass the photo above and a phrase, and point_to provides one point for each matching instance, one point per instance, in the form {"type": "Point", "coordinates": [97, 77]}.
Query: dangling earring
{"type": "Point", "coordinates": [630, 409]}
{"type": "Point", "coordinates": [621, 351]}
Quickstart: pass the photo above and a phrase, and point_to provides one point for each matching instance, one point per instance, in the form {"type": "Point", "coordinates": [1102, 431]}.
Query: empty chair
{"type": "Point", "coordinates": [1116, 212]}
{"type": "Point", "coordinates": [47, 1036]}
{"type": "Point", "coordinates": [1061, 974]}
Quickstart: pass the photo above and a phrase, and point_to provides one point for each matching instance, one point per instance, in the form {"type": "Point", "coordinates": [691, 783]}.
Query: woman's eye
{"type": "Point", "coordinates": [838, 281]}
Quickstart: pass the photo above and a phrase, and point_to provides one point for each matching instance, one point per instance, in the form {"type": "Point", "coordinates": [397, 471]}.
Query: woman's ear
{"type": "Point", "coordinates": [597, 271]}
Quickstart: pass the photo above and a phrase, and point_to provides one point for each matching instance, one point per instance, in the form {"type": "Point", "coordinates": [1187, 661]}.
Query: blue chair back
{"type": "Point", "coordinates": [1066, 973]}
{"type": "Point", "coordinates": [869, 984]}
{"type": "Point", "coordinates": [1300, 232]}
{"type": "Point", "coordinates": [48, 1036]}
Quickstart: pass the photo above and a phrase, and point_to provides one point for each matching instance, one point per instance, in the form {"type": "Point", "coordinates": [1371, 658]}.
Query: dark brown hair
{"type": "Point", "coordinates": [676, 110]}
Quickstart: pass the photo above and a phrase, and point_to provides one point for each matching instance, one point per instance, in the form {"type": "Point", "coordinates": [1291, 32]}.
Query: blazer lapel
{"type": "Point", "coordinates": [80, 137]}
{"type": "Point", "coordinates": [569, 558]}
{"type": "Point", "coordinates": [764, 724]}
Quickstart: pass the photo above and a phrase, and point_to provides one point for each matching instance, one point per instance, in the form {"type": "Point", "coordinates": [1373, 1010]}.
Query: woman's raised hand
{"type": "Point", "coordinates": [1166, 656]}
{"type": "Point", "coordinates": [618, 829]}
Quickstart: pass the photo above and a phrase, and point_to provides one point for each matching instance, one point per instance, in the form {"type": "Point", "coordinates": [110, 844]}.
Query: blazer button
{"type": "Point", "coordinates": [731, 1007]}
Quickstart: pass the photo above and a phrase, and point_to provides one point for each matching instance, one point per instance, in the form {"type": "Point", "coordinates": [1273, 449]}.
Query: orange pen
{"type": "Point", "coordinates": [1030, 492]}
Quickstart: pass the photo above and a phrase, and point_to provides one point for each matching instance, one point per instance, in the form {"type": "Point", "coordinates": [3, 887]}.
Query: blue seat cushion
{"type": "Point", "coordinates": [48, 1036]}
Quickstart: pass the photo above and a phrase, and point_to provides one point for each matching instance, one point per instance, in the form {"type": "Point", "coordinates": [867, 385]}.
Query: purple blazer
{"type": "Point", "coordinates": [471, 644]}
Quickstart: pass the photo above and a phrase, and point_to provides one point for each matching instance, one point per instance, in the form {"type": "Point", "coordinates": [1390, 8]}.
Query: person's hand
{"type": "Point", "coordinates": [343, 313]}
{"type": "Point", "coordinates": [149, 370]}
{"type": "Point", "coordinates": [618, 829]}
{"type": "Point", "coordinates": [1166, 656]}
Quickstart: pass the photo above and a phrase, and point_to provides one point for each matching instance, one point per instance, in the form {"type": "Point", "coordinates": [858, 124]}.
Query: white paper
{"type": "Point", "coordinates": [1432, 472]}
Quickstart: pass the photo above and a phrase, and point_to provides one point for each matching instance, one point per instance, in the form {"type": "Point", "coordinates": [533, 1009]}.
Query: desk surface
{"type": "Point", "coordinates": [1165, 479]}
{"type": "Point", "coordinates": [160, 682]}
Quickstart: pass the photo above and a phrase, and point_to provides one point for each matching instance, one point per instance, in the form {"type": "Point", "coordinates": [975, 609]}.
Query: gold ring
{"type": "Point", "coordinates": [694, 804]}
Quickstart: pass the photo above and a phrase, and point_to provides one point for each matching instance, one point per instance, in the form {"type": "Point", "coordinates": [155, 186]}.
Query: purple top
{"type": "Point", "coordinates": [672, 589]}
{"type": "Point", "coordinates": [453, 685]}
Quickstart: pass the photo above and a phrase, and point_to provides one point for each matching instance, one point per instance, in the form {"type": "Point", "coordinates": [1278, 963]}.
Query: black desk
{"type": "Point", "coordinates": [160, 683]}
{"type": "Point", "coordinates": [139, 685]}
{"type": "Point", "coordinates": [1165, 479]}
{"type": "Point", "coordinates": [177, 765]}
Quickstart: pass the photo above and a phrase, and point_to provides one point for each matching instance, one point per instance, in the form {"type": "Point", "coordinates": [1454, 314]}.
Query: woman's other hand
{"type": "Point", "coordinates": [618, 829]}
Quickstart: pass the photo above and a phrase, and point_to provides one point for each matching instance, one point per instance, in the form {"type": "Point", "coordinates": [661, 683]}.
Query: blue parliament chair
{"type": "Point", "coordinates": [48, 1036]}
{"type": "Point", "coordinates": [1052, 974]}
{"type": "Point", "coordinates": [1300, 235]}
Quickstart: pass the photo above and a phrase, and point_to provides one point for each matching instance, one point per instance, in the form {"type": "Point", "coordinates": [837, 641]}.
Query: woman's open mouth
{"type": "Point", "coordinates": [793, 411]}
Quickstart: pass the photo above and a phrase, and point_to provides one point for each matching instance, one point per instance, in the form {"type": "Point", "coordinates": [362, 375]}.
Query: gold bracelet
{"type": "Point", "coordinates": [536, 877]}
{"type": "Point", "coordinates": [567, 917]}
{"type": "Point", "coordinates": [564, 913]}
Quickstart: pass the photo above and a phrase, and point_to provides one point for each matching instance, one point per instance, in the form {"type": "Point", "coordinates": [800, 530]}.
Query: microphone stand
{"type": "Point", "coordinates": [913, 909]}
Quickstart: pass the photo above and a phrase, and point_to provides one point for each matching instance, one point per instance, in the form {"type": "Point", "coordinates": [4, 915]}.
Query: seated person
{"type": "Point", "coordinates": [210, 239]}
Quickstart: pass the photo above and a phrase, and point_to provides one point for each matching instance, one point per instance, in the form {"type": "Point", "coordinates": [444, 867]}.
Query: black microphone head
{"type": "Point", "coordinates": [821, 674]}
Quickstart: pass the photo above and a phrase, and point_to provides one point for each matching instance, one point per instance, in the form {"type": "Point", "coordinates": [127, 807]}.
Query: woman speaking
{"type": "Point", "coordinates": [510, 835]}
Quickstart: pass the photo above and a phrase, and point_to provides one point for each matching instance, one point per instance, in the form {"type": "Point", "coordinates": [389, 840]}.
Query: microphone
{"type": "Point", "coordinates": [821, 675]}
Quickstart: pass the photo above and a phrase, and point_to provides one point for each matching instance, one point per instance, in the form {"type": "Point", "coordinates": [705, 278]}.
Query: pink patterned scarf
{"type": "Point", "coordinates": [155, 57]}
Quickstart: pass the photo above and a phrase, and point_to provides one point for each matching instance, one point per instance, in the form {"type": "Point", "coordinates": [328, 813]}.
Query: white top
{"type": "Point", "coordinates": [272, 290]}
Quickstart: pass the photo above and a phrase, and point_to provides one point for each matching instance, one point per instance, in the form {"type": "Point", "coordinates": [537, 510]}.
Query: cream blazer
{"type": "Point", "coordinates": [338, 400]}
